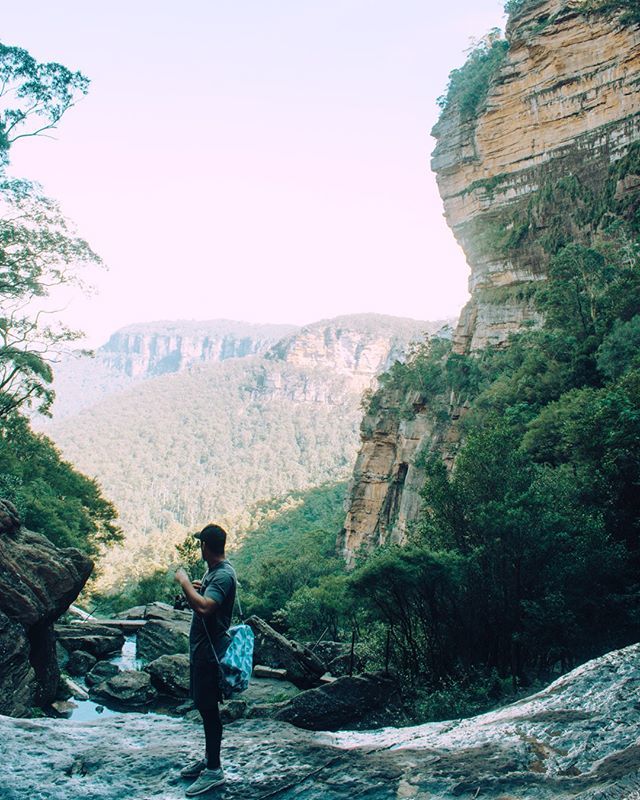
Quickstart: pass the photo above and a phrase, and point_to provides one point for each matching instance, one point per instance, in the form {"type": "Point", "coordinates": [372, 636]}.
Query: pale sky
{"type": "Point", "coordinates": [259, 160]}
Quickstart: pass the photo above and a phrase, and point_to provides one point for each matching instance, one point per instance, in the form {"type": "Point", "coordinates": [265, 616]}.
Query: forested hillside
{"type": "Point", "coordinates": [210, 441]}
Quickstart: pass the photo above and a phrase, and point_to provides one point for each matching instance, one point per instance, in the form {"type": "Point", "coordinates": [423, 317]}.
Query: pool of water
{"type": "Point", "coordinates": [88, 710]}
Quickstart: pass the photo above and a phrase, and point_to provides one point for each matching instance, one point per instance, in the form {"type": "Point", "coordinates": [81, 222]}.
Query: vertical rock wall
{"type": "Point", "coordinates": [557, 138]}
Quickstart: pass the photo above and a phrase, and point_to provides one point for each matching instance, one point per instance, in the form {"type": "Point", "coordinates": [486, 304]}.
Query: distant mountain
{"type": "Point", "coordinates": [146, 350]}
{"type": "Point", "coordinates": [208, 442]}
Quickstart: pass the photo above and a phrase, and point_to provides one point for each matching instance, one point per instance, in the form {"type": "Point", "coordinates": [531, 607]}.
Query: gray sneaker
{"type": "Point", "coordinates": [208, 779]}
{"type": "Point", "coordinates": [193, 769]}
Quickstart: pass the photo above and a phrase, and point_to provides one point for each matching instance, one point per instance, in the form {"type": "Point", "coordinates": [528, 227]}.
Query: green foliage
{"type": "Point", "coordinates": [38, 251]}
{"type": "Point", "coordinates": [51, 496]}
{"type": "Point", "coordinates": [216, 443]}
{"type": "Point", "coordinates": [469, 85]}
{"type": "Point", "coordinates": [525, 557]}
{"type": "Point", "coordinates": [431, 375]}
{"type": "Point", "coordinates": [627, 9]}
{"type": "Point", "coordinates": [282, 564]}
{"type": "Point", "coordinates": [514, 6]}
{"type": "Point", "coordinates": [33, 96]}
{"type": "Point", "coordinates": [620, 350]}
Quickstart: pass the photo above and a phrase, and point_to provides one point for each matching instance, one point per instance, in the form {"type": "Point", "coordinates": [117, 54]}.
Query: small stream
{"type": "Point", "coordinates": [88, 710]}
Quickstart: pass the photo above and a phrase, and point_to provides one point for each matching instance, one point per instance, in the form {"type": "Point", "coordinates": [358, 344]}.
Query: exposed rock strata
{"type": "Point", "coordinates": [561, 115]}
{"type": "Point", "coordinates": [565, 103]}
{"type": "Point", "coordinates": [157, 348]}
{"type": "Point", "coordinates": [360, 346]}
{"type": "Point", "coordinates": [576, 740]}
{"type": "Point", "coordinates": [38, 582]}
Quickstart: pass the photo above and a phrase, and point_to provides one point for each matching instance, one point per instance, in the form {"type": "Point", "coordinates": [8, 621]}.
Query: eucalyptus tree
{"type": "Point", "coordinates": [39, 249]}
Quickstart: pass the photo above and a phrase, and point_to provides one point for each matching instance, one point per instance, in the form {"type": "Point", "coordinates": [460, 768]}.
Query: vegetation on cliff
{"type": "Point", "coordinates": [526, 555]}
{"type": "Point", "coordinates": [469, 84]}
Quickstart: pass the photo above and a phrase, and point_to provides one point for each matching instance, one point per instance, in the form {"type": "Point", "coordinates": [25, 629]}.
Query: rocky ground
{"type": "Point", "coordinates": [579, 738]}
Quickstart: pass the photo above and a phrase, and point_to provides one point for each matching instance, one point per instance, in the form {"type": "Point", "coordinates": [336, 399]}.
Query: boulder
{"type": "Point", "coordinates": [127, 689]}
{"type": "Point", "coordinates": [101, 672]}
{"type": "Point", "coordinates": [64, 708]}
{"type": "Point", "coordinates": [272, 649]}
{"type": "Point", "coordinates": [80, 662]}
{"type": "Point", "coordinates": [339, 703]}
{"type": "Point", "coordinates": [91, 637]}
{"type": "Point", "coordinates": [162, 638]}
{"type": "Point", "coordinates": [38, 582]}
{"type": "Point", "coordinates": [170, 675]}
{"type": "Point", "coordinates": [156, 610]}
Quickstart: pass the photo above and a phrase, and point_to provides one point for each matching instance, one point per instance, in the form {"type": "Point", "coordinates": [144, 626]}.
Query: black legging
{"type": "Point", "coordinates": [212, 735]}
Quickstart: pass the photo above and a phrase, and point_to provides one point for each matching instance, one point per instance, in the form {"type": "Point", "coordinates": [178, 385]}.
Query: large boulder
{"type": "Point", "coordinates": [170, 675]}
{"type": "Point", "coordinates": [272, 649]}
{"type": "Point", "coordinates": [127, 689]}
{"type": "Point", "coordinates": [339, 703]}
{"type": "Point", "coordinates": [162, 638]}
{"type": "Point", "coordinates": [38, 582]}
{"type": "Point", "coordinates": [91, 637]}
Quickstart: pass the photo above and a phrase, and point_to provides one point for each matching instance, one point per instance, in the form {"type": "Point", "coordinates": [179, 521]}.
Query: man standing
{"type": "Point", "coordinates": [212, 600]}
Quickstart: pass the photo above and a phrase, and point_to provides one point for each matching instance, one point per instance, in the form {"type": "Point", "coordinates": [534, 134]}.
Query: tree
{"type": "Point", "coordinates": [33, 96]}
{"type": "Point", "coordinates": [38, 248]}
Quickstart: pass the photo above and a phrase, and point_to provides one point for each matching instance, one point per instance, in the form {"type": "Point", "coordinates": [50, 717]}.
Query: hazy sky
{"type": "Point", "coordinates": [264, 160]}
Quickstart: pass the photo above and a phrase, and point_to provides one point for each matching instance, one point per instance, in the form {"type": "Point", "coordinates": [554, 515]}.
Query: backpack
{"type": "Point", "coordinates": [236, 665]}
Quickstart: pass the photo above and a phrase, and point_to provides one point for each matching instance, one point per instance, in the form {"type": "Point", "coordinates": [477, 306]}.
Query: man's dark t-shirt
{"type": "Point", "coordinates": [219, 584]}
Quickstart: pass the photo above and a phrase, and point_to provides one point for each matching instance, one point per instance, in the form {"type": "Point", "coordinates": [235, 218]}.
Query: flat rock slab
{"type": "Point", "coordinates": [577, 739]}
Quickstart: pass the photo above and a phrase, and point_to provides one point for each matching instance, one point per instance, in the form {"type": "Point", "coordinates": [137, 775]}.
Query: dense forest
{"type": "Point", "coordinates": [180, 450]}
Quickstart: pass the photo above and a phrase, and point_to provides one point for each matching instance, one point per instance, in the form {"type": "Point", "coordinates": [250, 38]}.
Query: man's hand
{"type": "Point", "coordinates": [181, 576]}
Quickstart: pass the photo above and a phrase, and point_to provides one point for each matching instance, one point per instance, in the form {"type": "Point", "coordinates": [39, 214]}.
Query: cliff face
{"type": "Point", "coordinates": [356, 347]}
{"type": "Point", "coordinates": [562, 109]}
{"type": "Point", "coordinates": [546, 158]}
{"type": "Point", "coordinates": [38, 582]}
{"type": "Point", "coordinates": [158, 348]}
{"type": "Point", "coordinates": [359, 346]}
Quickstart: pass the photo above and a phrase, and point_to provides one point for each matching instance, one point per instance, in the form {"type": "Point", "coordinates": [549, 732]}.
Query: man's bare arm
{"type": "Point", "coordinates": [205, 606]}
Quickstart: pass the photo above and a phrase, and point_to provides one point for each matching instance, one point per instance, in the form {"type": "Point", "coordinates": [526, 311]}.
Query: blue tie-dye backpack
{"type": "Point", "coordinates": [236, 665]}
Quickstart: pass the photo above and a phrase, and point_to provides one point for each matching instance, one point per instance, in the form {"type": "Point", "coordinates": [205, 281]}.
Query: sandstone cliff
{"type": "Point", "coordinates": [549, 155]}
{"type": "Point", "coordinates": [38, 582]}
{"type": "Point", "coordinates": [360, 346]}
{"type": "Point", "coordinates": [145, 350]}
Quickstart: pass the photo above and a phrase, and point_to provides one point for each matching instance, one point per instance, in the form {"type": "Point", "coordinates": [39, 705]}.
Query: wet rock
{"type": "Point", "coordinates": [38, 581]}
{"type": "Point", "coordinates": [101, 672]}
{"type": "Point", "coordinates": [69, 688]}
{"type": "Point", "coordinates": [162, 638]}
{"type": "Point", "coordinates": [170, 675]}
{"type": "Point", "coordinates": [64, 708]}
{"type": "Point", "coordinates": [80, 662]}
{"type": "Point", "coordinates": [339, 703]}
{"type": "Point", "coordinates": [127, 689]}
{"type": "Point", "coordinates": [576, 740]}
{"type": "Point", "coordinates": [272, 649]}
{"type": "Point", "coordinates": [90, 637]}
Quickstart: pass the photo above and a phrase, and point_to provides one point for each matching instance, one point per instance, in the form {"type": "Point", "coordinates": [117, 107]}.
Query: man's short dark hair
{"type": "Point", "coordinates": [214, 537]}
